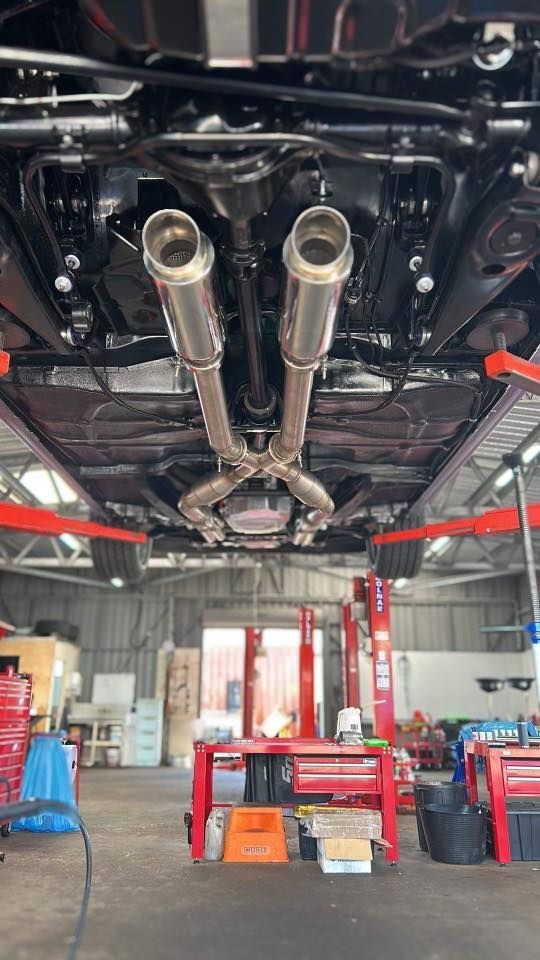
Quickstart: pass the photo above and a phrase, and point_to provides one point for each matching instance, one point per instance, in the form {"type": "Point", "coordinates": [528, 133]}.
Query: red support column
{"type": "Point", "coordinates": [352, 689]}
{"type": "Point", "coordinates": [381, 647]}
{"type": "Point", "coordinates": [253, 639]}
{"type": "Point", "coordinates": [306, 622]}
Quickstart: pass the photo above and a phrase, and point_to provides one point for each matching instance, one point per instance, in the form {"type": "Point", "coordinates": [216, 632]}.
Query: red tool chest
{"type": "Point", "coordinates": [336, 774]}
{"type": "Point", "coordinates": [521, 778]}
{"type": "Point", "coordinates": [15, 697]}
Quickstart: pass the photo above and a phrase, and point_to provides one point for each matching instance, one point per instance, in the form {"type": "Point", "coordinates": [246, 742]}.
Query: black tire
{"type": "Point", "coordinates": [44, 628]}
{"type": "Point", "coordinates": [116, 559]}
{"type": "Point", "coordinates": [392, 561]}
{"type": "Point", "coordinates": [5, 830]}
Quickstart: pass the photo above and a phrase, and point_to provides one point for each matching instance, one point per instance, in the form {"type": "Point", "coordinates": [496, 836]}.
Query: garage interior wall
{"type": "Point", "coordinates": [120, 631]}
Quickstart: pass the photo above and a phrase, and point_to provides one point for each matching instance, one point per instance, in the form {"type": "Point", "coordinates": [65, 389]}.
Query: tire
{"type": "Point", "coordinates": [116, 559]}
{"type": "Point", "coordinates": [44, 628]}
{"type": "Point", "coordinates": [392, 561]}
{"type": "Point", "coordinates": [5, 830]}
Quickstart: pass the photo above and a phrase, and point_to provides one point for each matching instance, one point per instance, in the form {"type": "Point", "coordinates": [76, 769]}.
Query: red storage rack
{"type": "Point", "coordinates": [15, 697]}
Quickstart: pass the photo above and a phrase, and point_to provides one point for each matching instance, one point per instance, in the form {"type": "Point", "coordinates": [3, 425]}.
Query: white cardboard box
{"type": "Point", "coordinates": [340, 866]}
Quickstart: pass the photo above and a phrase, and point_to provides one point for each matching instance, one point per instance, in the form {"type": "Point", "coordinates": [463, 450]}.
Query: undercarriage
{"type": "Point", "coordinates": [251, 262]}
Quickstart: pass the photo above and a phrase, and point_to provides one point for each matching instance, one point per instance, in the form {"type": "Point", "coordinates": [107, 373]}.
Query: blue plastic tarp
{"type": "Point", "coordinates": [46, 777]}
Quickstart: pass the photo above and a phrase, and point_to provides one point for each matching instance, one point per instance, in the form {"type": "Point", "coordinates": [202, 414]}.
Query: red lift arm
{"type": "Point", "coordinates": [35, 520]}
{"type": "Point", "coordinates": [490, 522]}
{"type": "Point", "coordinates": [506, 368]}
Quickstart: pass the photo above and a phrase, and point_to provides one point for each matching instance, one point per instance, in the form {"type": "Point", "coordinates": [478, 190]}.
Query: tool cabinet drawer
{"type": "Point", "coordinates": [521, 777]}
{"type": "Point", "coordinates": [336, 775]}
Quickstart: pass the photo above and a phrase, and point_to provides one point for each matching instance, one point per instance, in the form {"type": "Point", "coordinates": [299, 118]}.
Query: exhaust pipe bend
{"type": "Point", "coordinates": [318, 258]}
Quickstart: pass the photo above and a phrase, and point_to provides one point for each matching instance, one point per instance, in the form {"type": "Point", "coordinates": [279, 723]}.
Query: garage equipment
{"type": "Point", "coordinates": [511, 520]}
{"type": "Point", "coordinates": [306, 625]}
{"type": "Point", "coordinates": [36, 520]}
{"type": "Point", "coordinates": [15, 697]}
{"type": "Point", "coordinates": [423, 741]}
{"type": "Point", "coordinates": [351, 614]}
{"type": "Point", "coordinates": [253, 639]}
{"type": "Point", "coordinates": [255, 835]}
{"type": "Point", "coordinates": [318, 766]}
{"type": "Point", "coordinates": [512, 773]}
{"type": "Point", "coordinates": [371, 604]}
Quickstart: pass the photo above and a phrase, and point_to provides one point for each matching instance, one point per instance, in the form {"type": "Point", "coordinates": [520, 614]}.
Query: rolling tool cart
{"type": "Point", "coordinates": [15, 697]}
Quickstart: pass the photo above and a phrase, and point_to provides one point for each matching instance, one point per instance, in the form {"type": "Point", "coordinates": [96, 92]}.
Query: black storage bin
{"type": "Point", "coordinates": [444, 793]}
{"type": "Point", "coordinates": [455, 834]}
{"type": "Point", "coordinates": [307, 844]}
{"type": "Point", "coordinates": [523, 819]}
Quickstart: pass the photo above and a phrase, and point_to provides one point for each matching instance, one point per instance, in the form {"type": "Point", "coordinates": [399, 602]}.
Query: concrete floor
{"type": "Point", "coordinates": [150, 901]}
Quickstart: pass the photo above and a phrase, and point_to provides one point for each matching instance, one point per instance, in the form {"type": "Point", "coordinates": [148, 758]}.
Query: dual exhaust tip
{"type": "Point", "coordinates": [172, 242]}
{"type": "Point", "coordinates": [317, 257]}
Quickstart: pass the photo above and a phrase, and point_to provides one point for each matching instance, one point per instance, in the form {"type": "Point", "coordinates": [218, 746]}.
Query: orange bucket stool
{"type": "Point", "coordinates": [255, 835]}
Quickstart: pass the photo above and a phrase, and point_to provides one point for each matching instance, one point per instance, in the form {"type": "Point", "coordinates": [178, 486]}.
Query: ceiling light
{"type": "Point", "coordinates": [400, 583]}
{"type": "Point", "coordinates": [69, 541]}
{"type": "Point", "coordinates": [531, 452]}
{"type": "Point", "coordinates": [504, 479]}
{"type": "Point", "coordinates": [117, 582]}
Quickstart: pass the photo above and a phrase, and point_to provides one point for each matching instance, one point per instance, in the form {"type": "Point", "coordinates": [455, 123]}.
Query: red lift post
{"type": "Point", "coordinates": [253, 639]}
{"type": "Point", "coordinates": [350, 617]}
{"type": "Point", "coordinates": [378, 607]}
{"type": "Point", "coordinates": [306, 623]}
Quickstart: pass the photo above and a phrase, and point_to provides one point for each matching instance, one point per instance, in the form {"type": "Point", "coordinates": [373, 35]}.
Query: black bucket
{"type": "Point", "coordinates": [443, 793]}
{"type": "Point", "coordinates": [455, 834]}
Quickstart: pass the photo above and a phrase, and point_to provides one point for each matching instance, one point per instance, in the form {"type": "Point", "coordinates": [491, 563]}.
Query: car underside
{"type": "Point", "coordinates": [252, 256]}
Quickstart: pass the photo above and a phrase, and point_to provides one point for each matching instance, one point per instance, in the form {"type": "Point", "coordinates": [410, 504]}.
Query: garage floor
{"type": "Point", "coordinates": [150, 901]}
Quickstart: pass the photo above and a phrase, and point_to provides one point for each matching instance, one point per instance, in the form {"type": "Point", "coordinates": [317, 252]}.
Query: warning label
{"type": "Point", "coordinates": [382, 675]}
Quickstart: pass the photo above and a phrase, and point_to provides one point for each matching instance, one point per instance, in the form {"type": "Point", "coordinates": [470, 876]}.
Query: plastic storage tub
{"type": "Point", "coordinates": [443, 793]}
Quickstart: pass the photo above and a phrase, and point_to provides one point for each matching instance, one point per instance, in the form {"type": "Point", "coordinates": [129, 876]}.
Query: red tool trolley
{"type": "Point", "coordinates": [15, 696]}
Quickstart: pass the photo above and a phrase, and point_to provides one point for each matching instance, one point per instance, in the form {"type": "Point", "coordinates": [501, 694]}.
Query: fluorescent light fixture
{"type": "Point", "coordinates": [40, 484]}
{"type": "Point", "coordinates": [530, 453]}
{"type": "Point", "coordinates": [504, 479]}
{"type": "Point", "coordinates": [400, 583]}
{"type": "Point", "coordinates": [438, 546]}
{"type": "Point", "coordinates": [69, 541]}
{"type": "Point", "coordinates": [117, 582]}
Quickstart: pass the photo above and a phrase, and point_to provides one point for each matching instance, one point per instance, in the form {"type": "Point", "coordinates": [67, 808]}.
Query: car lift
{"type": "Point", "coordinates": [35, 520]}
{"type": "Point", "coordinates": [371, 604]}
{"type": "Point", "coordinates": [306, 698]}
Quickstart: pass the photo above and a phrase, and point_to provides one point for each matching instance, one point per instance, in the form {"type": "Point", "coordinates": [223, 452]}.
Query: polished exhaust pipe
{"type": "Point", "coordinates": [180, 261]}
{"type": "Point", "coordinates": [318, 259]}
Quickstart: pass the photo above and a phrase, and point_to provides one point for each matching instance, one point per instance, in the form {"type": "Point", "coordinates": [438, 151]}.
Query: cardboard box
{"type": "Point", "coordinates": [346, 824]}
{"type": "Point", "coordinates": [340, 866]}
{"type": "Point", "coordinates": [347, 849]}
{"type": "Point", "coordinates": [182, 706]}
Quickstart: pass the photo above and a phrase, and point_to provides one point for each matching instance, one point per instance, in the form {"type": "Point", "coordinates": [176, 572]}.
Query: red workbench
{"type": "Point", "coordinates": [511, 772]}
{"type": "Point", "coordinates": [319, 766]}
